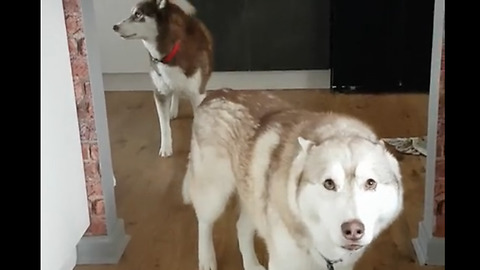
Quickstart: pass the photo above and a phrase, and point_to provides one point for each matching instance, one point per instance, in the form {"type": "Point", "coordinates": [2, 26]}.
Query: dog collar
{"type": "Point", "coordinates": [330, 263]}
{"type": "Point", "coordinates": [167, 58]}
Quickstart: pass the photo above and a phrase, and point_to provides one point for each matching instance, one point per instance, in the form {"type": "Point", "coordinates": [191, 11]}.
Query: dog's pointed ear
{"type": "Point", "coordinates": [296, 170]}
{"type": "Point", "coordinates": [394, 165]}
{"type": "Point", "coordinates": [305, 144]}
{"type": "Point", "coordinates": [381, 142]}
{"type": "Point", "coordinates": [392, 161]}
{"type": "Point", "coordinates": [161, 3]}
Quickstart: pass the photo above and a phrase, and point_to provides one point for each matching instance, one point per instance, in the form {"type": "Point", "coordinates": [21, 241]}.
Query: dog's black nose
{"type": "Point", "coordinates": [115, 28]}
{"type": "Point", "coordinates": [353, 230]}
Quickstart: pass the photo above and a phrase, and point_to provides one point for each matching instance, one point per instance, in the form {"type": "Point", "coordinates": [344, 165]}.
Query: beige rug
{"type": "Point", "coordinates": [410, 145]}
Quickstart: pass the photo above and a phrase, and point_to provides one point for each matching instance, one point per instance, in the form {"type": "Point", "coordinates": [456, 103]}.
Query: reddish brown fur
{"type": "Point", "coordinates": [265, 104]}
{"type": "Point", "coordinates": [196, 44]}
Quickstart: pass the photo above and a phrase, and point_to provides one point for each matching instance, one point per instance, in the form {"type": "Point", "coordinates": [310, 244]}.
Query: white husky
{"type": "Point", "coordinates": [317, 187]}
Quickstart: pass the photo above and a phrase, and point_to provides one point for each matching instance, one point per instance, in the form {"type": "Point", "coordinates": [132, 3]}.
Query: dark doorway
{"type": "Point", "coordinates": [381, 46]}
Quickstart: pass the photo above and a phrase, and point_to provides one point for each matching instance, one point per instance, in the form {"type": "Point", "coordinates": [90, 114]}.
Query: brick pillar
{"type": "Point", "coordinates": [439, 204]}
{"type": "Point", "coordinates": [105, 240]}
{"type": "Point", "coordinates": [85, 112]}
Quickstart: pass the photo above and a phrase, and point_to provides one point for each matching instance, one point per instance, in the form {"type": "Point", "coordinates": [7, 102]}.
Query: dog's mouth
{"type": "Point", "coordinates": [128, 36]}
{"type": "Point", "coordinates": [352, 247]}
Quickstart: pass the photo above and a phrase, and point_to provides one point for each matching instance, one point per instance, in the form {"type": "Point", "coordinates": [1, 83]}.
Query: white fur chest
{"type": "Point", "coordinates": [169, 79]}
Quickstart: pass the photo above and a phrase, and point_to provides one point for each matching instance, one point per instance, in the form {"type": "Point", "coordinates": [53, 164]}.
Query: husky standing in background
{"type": "Point", "coordinates": [317, 187]}
{"type": "Point", "coordinates": [181, 56]}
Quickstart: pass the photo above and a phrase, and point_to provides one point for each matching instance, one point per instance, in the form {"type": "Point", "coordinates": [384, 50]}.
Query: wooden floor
{"type": "Point", "coordinates": [164, 231]}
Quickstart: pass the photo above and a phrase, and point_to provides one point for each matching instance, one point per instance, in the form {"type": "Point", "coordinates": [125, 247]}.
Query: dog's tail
{"type": "Point", "coordinates": [184, 5]}
{"type": "Point", "coordinates": [193, 158]}
{"type": "Point", "coordinates": [186, 182]}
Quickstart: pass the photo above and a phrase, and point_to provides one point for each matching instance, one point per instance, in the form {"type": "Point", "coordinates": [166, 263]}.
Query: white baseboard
{"type": "Point", "coordinates": [248, 80]}
{"type": "Point", "coordinates": [103, 249]}
{"type": "Point", "coordinates": [430, 250]}
{"type": "Point", "coordinates": [71, 260]}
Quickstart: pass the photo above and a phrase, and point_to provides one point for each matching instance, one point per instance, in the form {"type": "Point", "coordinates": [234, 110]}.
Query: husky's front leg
{"type": "Point", "coordinates": [174, 106]}
{"type": "Point", "coordinates": [162, 103]}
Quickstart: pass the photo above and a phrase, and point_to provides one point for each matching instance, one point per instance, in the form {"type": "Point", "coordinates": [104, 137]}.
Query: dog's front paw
{"type": "Point", "coordinates": [255, 267]}
{"type": "Point", "coordinates": [165, 151]}
{"type": "Point", "coordinates": [173, 112]}
{"type": "Point", "coordinates": [208, 263]}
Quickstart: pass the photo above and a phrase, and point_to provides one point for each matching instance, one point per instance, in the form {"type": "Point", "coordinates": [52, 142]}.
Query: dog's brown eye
{"type": "Point", "coordinates": [370, 184]}
{"type": "Point", "coordinates": [137, 14]}
{"type": "Point", "coordinates": [329, 184]}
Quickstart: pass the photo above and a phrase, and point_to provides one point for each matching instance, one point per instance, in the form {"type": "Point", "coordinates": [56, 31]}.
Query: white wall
{"type": "Point", "coordinates": [63, 205]}
{"type": "Point", "coordinates": [118, 55]}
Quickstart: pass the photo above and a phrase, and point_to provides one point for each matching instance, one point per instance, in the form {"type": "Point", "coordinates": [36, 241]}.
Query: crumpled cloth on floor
{"type": "Point", "coordinates": [410, 145]}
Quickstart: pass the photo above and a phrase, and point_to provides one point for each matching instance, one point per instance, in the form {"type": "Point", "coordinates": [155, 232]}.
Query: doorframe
{"type": "Point", "coordinates": [430, 250]}
{"type": "Point", "coordinates": [108, 249]}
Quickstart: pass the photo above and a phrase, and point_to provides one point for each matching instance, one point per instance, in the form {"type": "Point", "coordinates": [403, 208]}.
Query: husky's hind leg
{"type": "Point", "coordinates": [210, 182]}
{"type": "Point", "coordinates": [246, 237]}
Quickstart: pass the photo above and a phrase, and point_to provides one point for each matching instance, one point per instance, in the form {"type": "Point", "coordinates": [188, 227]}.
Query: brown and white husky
{"type": "Point", "coordinates": [181, 56]}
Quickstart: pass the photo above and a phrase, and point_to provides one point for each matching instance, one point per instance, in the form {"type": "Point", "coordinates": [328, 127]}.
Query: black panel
{"type": "Point", "coordinates": [381, 46]}
{"type": "Point", "coordinates": [226, 21]}
{"type": "Point", "coordinates": [289, 34]}
{"type": "Point", "coordinates": [268, 34]}
{"type": "Point", "coordinates": [418, 45]}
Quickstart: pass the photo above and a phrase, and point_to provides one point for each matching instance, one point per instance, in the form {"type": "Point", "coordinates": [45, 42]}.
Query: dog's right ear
{"type": "Point", "coordinates": [305, 144]}
{"type": "Point", "coordinates": [161, 3]}
{"type": "Point", "coordinates": [296, 170]}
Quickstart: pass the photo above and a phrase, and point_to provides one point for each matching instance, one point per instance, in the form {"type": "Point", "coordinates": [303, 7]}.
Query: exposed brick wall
{"type": "Point", "coordinates": [439, 206]}
{"type": "Point", "coordinates": [85, 113]}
